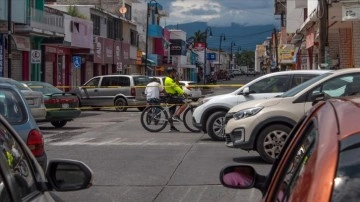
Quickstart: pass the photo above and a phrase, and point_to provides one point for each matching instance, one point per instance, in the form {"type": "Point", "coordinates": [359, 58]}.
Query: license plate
{"type": "Point", "coordinates": [65, 106]}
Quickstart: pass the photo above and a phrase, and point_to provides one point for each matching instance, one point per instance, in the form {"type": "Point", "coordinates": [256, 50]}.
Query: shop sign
{"type": "Point", "coordinates": [351, 12]}
{"type": "Point", "coordinates": [287, 53]}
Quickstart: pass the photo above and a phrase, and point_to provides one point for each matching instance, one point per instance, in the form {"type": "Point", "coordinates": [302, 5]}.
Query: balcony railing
{"type": "Point", "coordinates": [46, 21]}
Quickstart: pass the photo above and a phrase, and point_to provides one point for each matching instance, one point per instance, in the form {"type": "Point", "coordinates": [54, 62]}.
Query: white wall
{"type": "Point", "coordinates": [312, 5]}
{"type": "Point", "coordinates": [294, 17]}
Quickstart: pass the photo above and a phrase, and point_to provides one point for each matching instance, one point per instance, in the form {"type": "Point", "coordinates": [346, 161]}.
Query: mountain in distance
{"type": "Point", "coordinates": [247, 37]}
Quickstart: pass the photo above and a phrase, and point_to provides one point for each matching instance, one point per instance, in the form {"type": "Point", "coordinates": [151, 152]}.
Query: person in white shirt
{"type": "Point", "coordinates": [152, 91]}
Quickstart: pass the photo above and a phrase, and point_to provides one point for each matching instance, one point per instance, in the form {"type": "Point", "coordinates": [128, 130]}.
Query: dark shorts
{"type": "Point", "coordinates": [153, 101]}
{"type": "Point", "coordinates": [175, 100]}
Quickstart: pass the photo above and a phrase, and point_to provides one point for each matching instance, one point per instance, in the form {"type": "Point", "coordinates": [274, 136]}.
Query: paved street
{"type": "Point", "coordinates": [131, 164]}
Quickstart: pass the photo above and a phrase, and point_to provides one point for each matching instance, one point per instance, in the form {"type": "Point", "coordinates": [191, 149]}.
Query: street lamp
{"type": "Point", "coordinates": [231, 54]}
{"type": "Point", "coordinates": [147, 31]}
{"type": "Point", "coordinates": [222, 38]}
{"type": "Point", "coordinates": [239, 55]}
{"type": "Point", "coordinates": [208, 29]}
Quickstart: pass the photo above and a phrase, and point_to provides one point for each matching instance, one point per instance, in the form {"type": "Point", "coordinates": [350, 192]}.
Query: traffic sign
{"type": "Point", "coordinates": [76, 61]}
{"type": "Point", "coordinates": [35, 56]}
{"type": "Point", "coordinates": [211, 56]}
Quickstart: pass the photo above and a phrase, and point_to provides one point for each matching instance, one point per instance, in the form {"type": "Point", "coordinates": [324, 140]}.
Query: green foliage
{"type": "Point", "coordinates": [199, 36]}
{"type": "Point", "coordinates": [245, 58]}
{"type": "Point", "coordinates": [74, 11]}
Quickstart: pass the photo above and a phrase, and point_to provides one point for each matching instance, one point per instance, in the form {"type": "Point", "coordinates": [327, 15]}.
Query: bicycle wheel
{"type": "Point", "coordinates": [188, 120]}
{"type": "Point", "coordinates": [154, 119]}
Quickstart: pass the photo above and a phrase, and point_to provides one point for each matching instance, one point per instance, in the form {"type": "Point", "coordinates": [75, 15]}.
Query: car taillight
{"type": "Point", "coordinates": [35, 142]}
{"type": "Point", "coordinates": [61, 100]}
{"type": "Point", "coordinates": [133, 92]}
{"type": "Point", "coordinates": [52, 101]}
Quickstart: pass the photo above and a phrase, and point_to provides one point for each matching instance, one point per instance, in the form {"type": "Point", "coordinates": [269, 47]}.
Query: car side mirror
{"type": "Point", "coordinates": [246, 91]}
{"type": "Point", "coordinates": [317, 97]}
{"type": "Point", "coordinates": [68, 175]}
{"type": "Point", "coordinates": [241, 177]}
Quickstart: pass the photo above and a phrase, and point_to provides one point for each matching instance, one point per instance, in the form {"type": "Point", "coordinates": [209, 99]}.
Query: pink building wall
{"type": "Point", "coordinates": [81, 33]}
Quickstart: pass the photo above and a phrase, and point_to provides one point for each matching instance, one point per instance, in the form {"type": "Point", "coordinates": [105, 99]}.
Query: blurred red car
{"type": "Point", "coordinates": [319, 162]}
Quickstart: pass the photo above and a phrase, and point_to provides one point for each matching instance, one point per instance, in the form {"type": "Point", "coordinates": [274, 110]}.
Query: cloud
{"type": "Point", "coordinates": [220, 12]}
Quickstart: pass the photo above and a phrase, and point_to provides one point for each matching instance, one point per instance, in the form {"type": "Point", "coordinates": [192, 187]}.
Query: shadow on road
{"type": "Point", "coordinates": [249, 160]}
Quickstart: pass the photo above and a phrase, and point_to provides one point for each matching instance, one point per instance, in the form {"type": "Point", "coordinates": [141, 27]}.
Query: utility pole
{"type": "Point", "coordinates": [276, 50]}
{"type": "Point", "coordinates": [9, 39]}
{"type": "Point", "coordinates": [323, 30]}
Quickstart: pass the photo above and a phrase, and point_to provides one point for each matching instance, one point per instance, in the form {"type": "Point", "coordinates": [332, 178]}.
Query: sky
{"type": "Point", "coordinates": [219, 12]}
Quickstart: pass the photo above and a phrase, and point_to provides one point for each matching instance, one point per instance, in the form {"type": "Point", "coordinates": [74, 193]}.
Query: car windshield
{"type": "Point", "coordinates": [12, 107]}
{"type": "Point", "coordinates": [304, 85]}
{"type": "Point", "coordinates": [44, 88]}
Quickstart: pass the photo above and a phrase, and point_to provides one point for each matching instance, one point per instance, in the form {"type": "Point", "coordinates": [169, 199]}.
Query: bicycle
{"type": "Point", "coordinates": [154, 118]}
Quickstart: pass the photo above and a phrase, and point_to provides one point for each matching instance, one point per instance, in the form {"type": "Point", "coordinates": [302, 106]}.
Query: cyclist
{"type": "Point", "coordinates": [176, 96]}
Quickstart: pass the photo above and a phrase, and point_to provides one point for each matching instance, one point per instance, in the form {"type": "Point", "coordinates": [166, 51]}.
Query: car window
{"type": "Point", "coordinates": [17, 163]}
{"type": "Point", "coordinates": [300, 78]}
{"type": "Point", "coordinates": [93, 82]}
{"type": "Point", "coordinates": [11, 107]}
{"type": "Point", "coordinates": [340, 86]}
{"type": "Point", "coordinates": [273, 84]}
{"type": "Point", "coordinates": [296, 163]}
{"type": "Point", "coordinates": [347, 180]}
{"type": "Point", "coordinates": [141, 80]}
{"type": "Point", "coordinates": [302, 86]}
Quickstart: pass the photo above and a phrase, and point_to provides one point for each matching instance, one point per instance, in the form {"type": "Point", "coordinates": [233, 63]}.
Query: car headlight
{"type": "Point", "coordinates": [247, 112]}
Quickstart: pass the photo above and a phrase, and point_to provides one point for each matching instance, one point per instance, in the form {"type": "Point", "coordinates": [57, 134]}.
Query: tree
{"type": "Point", "coordinates": [199, 37]}
{"type": "Point", "coordinates": [74, 11]}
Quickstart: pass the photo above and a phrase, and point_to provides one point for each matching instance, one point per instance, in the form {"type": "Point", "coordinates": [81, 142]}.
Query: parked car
{"type": "Point", "coordinates": [23, 179]}
{"type": "Point", "coordinates": [190, 88]}
{"type": "Point", "coordinates": [119, 91]}
{"type": "Point", "coordinates": [264, 125]}
{"type": "Point", "coordinates": [251, 72]}
{"type": "Point", "coordinates": [61, 107]}
{"type": "Point", "coordinates": [34, 99]}
{"type": "Point", "coordinates": [209, 115]}
{"type": "Point", "coordinates": [15, 110]}
{"type": "Point", "coordinates": [319, 161]}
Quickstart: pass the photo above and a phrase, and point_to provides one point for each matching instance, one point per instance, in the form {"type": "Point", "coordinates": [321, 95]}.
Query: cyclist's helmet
{"type": "Point", "coordinates": [171, 70]}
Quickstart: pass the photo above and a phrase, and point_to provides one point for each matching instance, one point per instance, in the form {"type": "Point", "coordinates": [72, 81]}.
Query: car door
{"type": "Point", "coordinates": [18, 170]}
{"type": "Point", "coordinates": [267, 88]}
{"type": "Point", "coordinates": [109, 87]}
{"type": "Point", "coordinates": [89, 92]}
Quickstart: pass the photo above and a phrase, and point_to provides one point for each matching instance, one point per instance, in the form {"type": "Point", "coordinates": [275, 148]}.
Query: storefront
{"type": "Point", "coordinates": [57, 66]}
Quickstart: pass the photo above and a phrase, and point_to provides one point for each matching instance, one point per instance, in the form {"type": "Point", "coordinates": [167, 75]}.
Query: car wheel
{"type": "Point", "coordinates": [120, 105]}
{"type": "Point", "coordinates": [58, 124]}
{"type": "Point", "coordinates": [271, 140]}
{"type": "Point", "coordinates": [216, 126]}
